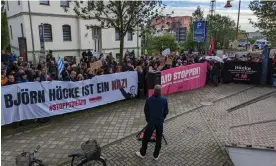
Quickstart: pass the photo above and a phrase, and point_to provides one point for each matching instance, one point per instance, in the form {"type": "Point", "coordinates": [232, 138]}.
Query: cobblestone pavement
{"type": "Point", "coordinates": [196, 138]}
{"type": "Point", "coordinates": [255, 124]}
{"type": "Point", "coordinates": [113, 122]}
{"type": "Point", "coordinates": [189, 143]}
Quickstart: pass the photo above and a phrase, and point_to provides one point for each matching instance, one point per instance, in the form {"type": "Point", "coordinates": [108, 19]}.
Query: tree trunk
{"type": "Point", "coordinates": [121, 50]}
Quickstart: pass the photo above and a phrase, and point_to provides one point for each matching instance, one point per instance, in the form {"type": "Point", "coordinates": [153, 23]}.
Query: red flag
{"type": "Point", "coordinates": [212, 46]}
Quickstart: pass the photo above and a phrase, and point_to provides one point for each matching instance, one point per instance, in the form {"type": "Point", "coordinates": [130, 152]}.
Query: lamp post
{"type": "Point", "coordinates": [228, 5]}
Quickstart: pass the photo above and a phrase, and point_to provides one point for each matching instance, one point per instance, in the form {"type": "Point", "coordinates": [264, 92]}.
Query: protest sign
{"type": "Point", "coordinates": [169, 61]}
{"type": "Point", "coordinates": [166, 52]}
{"type": "Point", "coordinates": [43, 99]}
{"type": "Point", "coordinates": [272, 53]}
{"type": "Point", "coordinates": [96, 65]}
{"type": "Point", "coordinates": [162, 58]}
{"type": "Point", "coordinates": [242, 71]}
{"type": "Point", "coordinates": [182, 78]}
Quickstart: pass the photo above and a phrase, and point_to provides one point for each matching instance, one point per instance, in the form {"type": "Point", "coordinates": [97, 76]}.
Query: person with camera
{"type": "Point", "coordinates": [156, 110]}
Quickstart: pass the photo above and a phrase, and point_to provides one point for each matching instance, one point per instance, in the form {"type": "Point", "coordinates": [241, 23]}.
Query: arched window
{"type": "Point", "coordinates": [48, 33]}
{"type": "Point", "coordinates": [66, 29]}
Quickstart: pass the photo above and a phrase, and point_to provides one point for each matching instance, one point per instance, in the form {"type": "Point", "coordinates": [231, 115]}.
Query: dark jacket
{"type": "Point", "coordinates": [156, 110]}
{"type": "Point", "coordinates": [141, 79]}
{"type": "Point", "coordinates": [127, 68]}
{"type": "Point", "coordinates": [217, 69]}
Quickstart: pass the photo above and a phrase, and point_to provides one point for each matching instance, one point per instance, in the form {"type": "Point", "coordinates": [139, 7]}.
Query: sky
{"type": "Point", "coordinates": [187, 7]}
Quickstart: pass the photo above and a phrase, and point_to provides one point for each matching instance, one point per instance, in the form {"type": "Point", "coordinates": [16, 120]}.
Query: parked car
{"type": "Point", "coordinates": [259, 44]}
{"type": "Point", "coordinates": [244, 43]}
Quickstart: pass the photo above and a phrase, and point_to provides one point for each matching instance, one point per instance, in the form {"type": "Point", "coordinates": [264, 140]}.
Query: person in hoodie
{"type": "Point", "coordinates": [23, 78]}
{"type": "Point", "coordinates": [156, 110]}
{"type": "Point", "coordinates": [12, 57]}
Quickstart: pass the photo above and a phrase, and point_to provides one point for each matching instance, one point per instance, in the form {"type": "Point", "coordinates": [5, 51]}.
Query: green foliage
{"type": "Point", "coordinates": [265, 12]}
{"type": "Point", "coordinates": [189, 42]}
{"type": "Point", "coordinates": [251, 41]}
{"type": "Point", "coordinates": [157, 43]}
{"type": "Point", "coordinates": [198, 14]}
{"type": "Point", "coordinates": [5, 39]}
{"type": "Point", "coordinates": [222, 28]}
{"type": "Point", "coordinates": [124, 16]}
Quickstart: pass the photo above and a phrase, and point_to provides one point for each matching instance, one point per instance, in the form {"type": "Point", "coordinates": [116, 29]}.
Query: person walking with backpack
{"type": "Point", "coordinates": [156, 110]}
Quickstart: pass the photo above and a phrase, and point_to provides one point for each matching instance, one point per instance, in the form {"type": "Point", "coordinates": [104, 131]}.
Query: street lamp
{"type": "Point", "coordinates": [228, 5]}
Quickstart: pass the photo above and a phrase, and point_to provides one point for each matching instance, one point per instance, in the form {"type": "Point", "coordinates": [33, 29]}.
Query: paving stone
{"type": "Point", "coordinates": [127, 117]}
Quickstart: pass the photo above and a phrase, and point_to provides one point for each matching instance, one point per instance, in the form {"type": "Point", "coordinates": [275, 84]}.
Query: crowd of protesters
{"type": "Point", "coordinates": [17, 71]}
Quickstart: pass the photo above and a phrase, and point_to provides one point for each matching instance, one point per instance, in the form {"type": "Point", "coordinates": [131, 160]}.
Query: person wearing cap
{"type": "Point", "coordinates": [156, 110]}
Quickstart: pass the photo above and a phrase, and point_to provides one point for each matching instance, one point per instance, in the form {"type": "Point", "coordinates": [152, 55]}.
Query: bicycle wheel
{"type": "Point", "coordinates": [94, 162]}
{"type": "Point", "coordinates": [37, 163]}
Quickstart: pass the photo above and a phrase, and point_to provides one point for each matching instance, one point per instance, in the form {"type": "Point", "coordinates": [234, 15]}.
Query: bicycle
{"type": "Point", "coordinates": [89, 154]}
{"type": "Point", "coordinates": [28, 159]}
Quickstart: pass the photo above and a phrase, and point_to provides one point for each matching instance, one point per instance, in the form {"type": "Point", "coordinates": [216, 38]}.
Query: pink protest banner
{"type": "Point", "coordinates": [182, 78]}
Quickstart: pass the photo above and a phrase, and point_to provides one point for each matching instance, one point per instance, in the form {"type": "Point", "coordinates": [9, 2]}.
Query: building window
{"type": "Point", "coordinates": [44, 2]}
{"type": "Point", "coordinates": [7, 5]}
{"type": "Point", "coordinates": [129, 36]}
{"type": "Point", "coordinates": [117, 35]}
{"type": "Point", "coordinates": [64, 3]}
{"type": "Point", "coordinates": [48, 33]}
{"type": "Point", "coordinates": [66, 29]}
{"type": "Point", "coordinates": [96, 32]}
{"type": "Point", "coordinates": [22, 30]}
{"type": "Point", "coordinates": [18, 2]}
{"type": "Point", "coordinates": [11, 32]}
{"type": "Point", "coordinates": [90, 5]}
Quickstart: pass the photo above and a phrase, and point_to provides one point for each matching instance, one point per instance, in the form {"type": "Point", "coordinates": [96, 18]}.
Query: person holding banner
{"type": "Point", "coordinates": [156, 110]}
{"type": "Point", "coordinates": [11, 80]}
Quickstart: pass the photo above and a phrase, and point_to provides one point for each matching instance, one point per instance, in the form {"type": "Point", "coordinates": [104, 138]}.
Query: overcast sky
{"type": "Point", "coordinates": [187, 7]}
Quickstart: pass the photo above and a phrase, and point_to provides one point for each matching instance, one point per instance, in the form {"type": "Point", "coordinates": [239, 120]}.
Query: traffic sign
{"type": "Point", "coordinates": [235, 44]}
{"type": "Point", "coordinates": [41, 38]}
{"type": "Point", "coordinates": [199, 31]}
{"type": "Point", "coordinates": [41, 33]}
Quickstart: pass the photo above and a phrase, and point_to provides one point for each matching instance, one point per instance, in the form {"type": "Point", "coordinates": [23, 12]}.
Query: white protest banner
{"type": "Point", "coordinates": [37, 100]}
{"type": "Point", "coordinates": [166, 52]}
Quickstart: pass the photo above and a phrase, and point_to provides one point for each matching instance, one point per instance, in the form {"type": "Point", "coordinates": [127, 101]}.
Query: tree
{"type": "Point", "coordinates": [198, 14]}
{"type": "Point", "coordinates": [189, 42]}
{"type": "Point", "coordinates": [5, 39]}
{"type": "Point", "coordinates": [251, 41]}
{"type": "Point", "coordinates": [222, 28]}
{"type": "Point", "coordinates": [124, 16]}
{"type": "Point", "coordinates": [265, 12]}
{"type": "Point", "coordinates": [158, 43]}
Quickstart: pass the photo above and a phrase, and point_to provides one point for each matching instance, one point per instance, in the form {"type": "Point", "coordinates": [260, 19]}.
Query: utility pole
{"type": "Point", "coordinates": [208, 22]}
{"type": "Point", "coordinates": [237, 30]}
{"type": "Point", "coordinates": [42, 45]}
